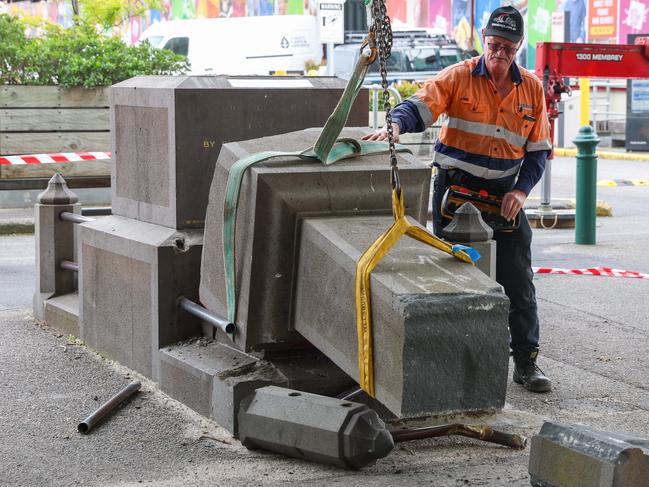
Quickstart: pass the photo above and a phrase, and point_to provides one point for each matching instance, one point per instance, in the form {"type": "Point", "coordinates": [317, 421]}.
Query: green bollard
{"type": "Point", "coordinates": [586, 212]}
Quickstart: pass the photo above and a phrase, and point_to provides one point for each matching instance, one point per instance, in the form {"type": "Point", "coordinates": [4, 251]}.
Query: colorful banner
{"type": "Point", "coordinates": [461, 21]}
{"type": "Point", "coordinates": [439, 16]}
{"type": "Point", "coordinates": [577, 25]}
{"type": "Point", "coordinates": [483, 9]}
{"type": "Point", "coordinates": [633, 18]}
{"type": "Point", "coordinates": [397, 10]}
{"type": "Point", "coordinates": [539, 26]}
{"type": "Point", "coordinates": [602, 21]}
{"type": "Point", "coordinates": [183, 9]}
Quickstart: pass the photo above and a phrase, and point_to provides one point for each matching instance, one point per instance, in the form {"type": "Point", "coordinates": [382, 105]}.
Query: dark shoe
{"type": "Point", "coordinates": [528, 374]}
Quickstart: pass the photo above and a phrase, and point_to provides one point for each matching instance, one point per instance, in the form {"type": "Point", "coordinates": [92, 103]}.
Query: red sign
{"type": "Point", "coordinates": [602, 19]}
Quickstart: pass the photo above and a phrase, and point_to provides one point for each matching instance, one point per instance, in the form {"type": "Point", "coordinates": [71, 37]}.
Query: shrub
{"type": "Point", "coordinates": [76, 56]}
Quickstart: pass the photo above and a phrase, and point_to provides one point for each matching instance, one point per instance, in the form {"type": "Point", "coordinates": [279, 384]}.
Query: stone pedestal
{"type": "Point", "coordinates": [275, 197]}
{"type": "Point", "coordinates": [167, 133]}
{"type": "Point", "coordinates": [440, 334]}
{"type": "Point", "coordinates": [55, 241]}
{"type": "Point", "coordinates": [131, 275]}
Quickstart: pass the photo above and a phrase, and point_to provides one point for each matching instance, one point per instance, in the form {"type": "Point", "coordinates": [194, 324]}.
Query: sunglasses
{"type": "Point", "coordinates": [496, 47]}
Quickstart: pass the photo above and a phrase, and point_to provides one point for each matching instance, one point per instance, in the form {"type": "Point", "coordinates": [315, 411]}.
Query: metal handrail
{"type": "Point", "coordinates": [375, 88]}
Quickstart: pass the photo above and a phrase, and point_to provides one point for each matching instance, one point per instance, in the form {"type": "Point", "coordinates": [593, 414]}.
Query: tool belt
{"type": "Point", "coordinates": [488, 204]}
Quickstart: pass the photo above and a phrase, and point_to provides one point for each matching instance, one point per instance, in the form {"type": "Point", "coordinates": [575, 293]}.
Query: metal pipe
{"type": "Point", "coordinates": [74, 217]}
{"type": "Point", "coordinates": [87, 424]}
{"type": "Point", "coordinates": [69, 265]}
{"type": "Point", "coordinates": [200, 312]}
{"type": "Point", "coordinates": [479, 432]}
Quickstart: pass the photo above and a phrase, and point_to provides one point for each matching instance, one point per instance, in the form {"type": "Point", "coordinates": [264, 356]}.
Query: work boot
{"type": "Point", "coordinates": [528, 374]}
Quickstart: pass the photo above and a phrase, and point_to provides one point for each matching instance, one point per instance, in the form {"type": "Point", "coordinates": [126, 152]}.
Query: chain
{"type": "Point", "coordinates": [382, 32]}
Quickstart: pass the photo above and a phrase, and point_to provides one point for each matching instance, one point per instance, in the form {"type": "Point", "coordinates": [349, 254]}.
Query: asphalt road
{"type": "Point", "coordinates": [595, 334]}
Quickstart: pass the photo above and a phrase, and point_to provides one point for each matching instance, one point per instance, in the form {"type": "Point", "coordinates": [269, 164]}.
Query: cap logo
{"type": "Point", "coordinates": [504, 21]}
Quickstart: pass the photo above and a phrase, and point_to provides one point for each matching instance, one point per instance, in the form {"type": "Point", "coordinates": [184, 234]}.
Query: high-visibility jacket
{"type": "Point", "coordinates": [483, 134]}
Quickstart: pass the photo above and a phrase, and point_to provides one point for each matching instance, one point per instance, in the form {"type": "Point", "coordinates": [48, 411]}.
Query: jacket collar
{"type": "Point", "coordinates": [481, 70]}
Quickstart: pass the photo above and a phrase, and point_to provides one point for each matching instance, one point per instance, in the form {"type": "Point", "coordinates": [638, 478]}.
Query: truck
{"type": "Point", "coordinates": [260, 45]}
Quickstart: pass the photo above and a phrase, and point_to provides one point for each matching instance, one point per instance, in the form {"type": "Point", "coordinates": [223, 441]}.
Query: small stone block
{"type": "Point", "coordinates": [313, 427]}
{"type": "Point", "coordinates": [567, 455]}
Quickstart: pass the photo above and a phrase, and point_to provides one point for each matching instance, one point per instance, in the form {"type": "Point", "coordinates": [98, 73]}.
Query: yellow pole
{"type": "Point", "coordinates": [584, 89]}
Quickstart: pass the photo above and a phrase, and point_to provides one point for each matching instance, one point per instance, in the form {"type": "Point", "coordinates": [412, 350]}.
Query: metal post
{"type": "Point", "coordinates": [586, 211]}
{"type": "Point", "coordinates": [330, 59]}
{"type": "Point", "coordinates": [375, 107]}
{"type": "Point", "coordinates": [546, 187]}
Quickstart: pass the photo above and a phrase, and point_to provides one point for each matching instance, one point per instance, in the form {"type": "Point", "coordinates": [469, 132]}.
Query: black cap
{"type": "Point", "coordinates": [505, 22]}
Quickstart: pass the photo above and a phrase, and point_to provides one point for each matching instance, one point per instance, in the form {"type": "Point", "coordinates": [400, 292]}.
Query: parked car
{"type": "Point", "coordinates": [416, 55]}
{"type": "Point", "coordinates": [259, 45]}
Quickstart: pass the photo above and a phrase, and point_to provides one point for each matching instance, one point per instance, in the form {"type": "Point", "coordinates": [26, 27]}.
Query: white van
{"type": "Point", "coordinates": [241, 45]}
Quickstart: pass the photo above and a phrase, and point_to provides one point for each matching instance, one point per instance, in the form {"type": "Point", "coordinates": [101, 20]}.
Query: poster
{"type": "Point", "coordinates": [397, 10]}
{"type": "Point", "coordinates": [539, 26]}
{"type": "Point", "coordinates": [183, 9]}
{"type": "Point", "coordinates": [208, 8]}
{"type": "Point", "coordinates": [633, 18]}
{"type": "Point", "coordinates": [602, 21]}
{"type": "Point", "coordinates": [577, 22]}
{"type": "Point", "coordinates": [461, 21]}
{"type": "Point", "coordinates": [439, 16]}
{"type": "Point", "coordinates": [483, 9]}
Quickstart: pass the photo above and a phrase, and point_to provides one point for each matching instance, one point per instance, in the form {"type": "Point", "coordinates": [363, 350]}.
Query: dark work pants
{"type": "Point", "coordinates": [513, 261]}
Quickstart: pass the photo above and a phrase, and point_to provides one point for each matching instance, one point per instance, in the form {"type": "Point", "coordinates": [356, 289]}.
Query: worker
{"type": "Point", "coordinates": [494, 137]}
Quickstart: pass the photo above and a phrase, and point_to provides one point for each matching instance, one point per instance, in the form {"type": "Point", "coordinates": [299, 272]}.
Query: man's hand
{"type": "Point", "coordinates": [512, 204]}
{"type": "Point", "coordinates": [382, 134]}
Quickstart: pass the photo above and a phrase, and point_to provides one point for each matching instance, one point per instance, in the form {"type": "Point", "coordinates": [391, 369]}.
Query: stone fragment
{"type": "Point", "coordinates": [572, 455]}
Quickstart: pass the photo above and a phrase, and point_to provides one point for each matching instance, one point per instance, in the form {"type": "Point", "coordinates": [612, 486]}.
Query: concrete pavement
{"type": "Point", "coordinates": [595, 333]}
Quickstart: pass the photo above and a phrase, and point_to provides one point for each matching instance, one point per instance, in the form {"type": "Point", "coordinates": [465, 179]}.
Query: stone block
{"type": "Point", "coordinates": [571, 455]}
{"type": "Point", "coordinates": [131, 275]}
{"type": "Point", "coordinates": [62, 313]}
{"type": "Point", "coordinates": [167, 133]}
{"type": "Point", "coordinates": [213, 378]}
{"type": "Point", "coordinates": [313, 427]}
{"type": "Point", "coordinates": [440, 333]}
{"type": "Point", "coordinates": [187, 371]}
{"type": "Point", "coordinates": [275, 197]}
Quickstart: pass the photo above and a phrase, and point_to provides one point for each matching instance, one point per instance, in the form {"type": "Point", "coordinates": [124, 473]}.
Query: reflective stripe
{"type": "Point", "coordinates": [448, 162]}
{"type": "Point", "coordinates": [424, 111]}
{"type": "Point", "coordinates": [540, 145]}
{"type": "Point", "coordinates": [488, 130]}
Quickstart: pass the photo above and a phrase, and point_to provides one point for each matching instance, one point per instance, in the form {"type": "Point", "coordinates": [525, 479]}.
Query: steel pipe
{"type": "Point", "coordinates": [479, 432]}
{"type": "Point", "coordinates": [87, 424]}
{"type": "Point", "coordinates": [69, 265]}
{"type": "Point", "coordinates": [74, 217]}
{"type": "Point", "coordinates": [200, 312]}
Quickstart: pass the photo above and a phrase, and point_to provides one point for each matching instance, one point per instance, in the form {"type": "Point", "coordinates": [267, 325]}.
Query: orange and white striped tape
{"type": "Point", "coordinates": [54, 158]}
{"type": "Point", "coordinates": [592, 271]}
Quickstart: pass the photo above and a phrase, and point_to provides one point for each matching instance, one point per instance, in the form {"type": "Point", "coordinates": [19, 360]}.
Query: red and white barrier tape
{"type": "Point", "coordinates": [592, 271]}
{"type": "Point", "coordinates": [56, 157]}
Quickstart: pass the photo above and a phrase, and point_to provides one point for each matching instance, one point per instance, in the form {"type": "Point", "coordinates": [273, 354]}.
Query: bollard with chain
{"type": "Point", "coordinates": [586, 142]}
